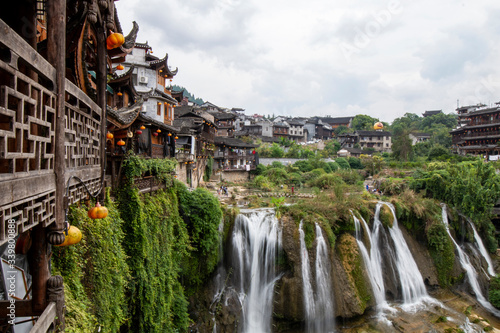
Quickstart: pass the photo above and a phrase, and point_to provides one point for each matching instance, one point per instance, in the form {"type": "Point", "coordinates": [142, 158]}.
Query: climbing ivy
{"type": "Point", "coordinates": [95, 272]}
{"type": "Point", "coordinates": [208, 169]}
{"type": "Point", "coordinates": [202, 215]}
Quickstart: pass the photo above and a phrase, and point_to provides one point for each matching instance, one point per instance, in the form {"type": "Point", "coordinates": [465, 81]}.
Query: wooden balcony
{"type": "Point", "coordinates": [28, 137]}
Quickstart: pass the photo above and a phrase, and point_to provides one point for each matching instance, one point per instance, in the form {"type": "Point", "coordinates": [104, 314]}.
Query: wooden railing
{"type": "Point", "coordinates": [28, 136]}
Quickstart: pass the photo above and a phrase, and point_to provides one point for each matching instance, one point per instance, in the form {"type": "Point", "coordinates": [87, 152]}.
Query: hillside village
{"type": "Point", "coordinates": [79, 96]}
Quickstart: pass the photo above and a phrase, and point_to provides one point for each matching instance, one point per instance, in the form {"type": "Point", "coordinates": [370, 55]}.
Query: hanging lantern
{"type": "Point", "coordinates": [109, 135]}
{"type": "Point", "coordinates": [98, 212]}
{"type": "Point", "coordinates": [114, 40]}
{"type": "Point", "coordinates": [161, 70]}
{"type": "Point", "coordinates": [142, 127]}
{"type": "Point", "coordinates": [155, 134]}
{"type": "Point", "coordinates": [120, 67]}
{"type": "Point", "coordinates": [176, 137]}
{"type": "Point", "coordinates": [169, 134]}
{"type": "Point", "coordinates": [119, 93]}
{"type": "Point", "coordinates": [253, 152]}
{"type": "Point", "coordinates": [121, 143]}
{"type": "Point", "coordinates": [158, 130]}
{"type": "Point", "coordinates": [138, 132]}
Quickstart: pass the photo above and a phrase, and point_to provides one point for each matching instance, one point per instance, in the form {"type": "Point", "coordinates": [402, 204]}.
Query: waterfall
{"type": "Point", "coordinates": [372, 260]}
{"type": "Point", "coordinates": [309, 304]}
{"type": "Point", "coordinates": [469, 269]}
{"type": "Point", "coordinates": [318, 305]}
{"type": "Point", "coordinates": [412, 283]}
{"type": "Point", "coordinates": [324, 294]}
{"type": "Point", "coordinates": [482, 250]}
{"type": "Point", "coordinates": [256, 242]}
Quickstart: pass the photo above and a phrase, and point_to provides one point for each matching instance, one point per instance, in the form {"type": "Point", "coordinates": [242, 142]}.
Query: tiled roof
{"type": "Point", "coordinates": [233, 142]}
{"type": "Point", "coordinates": [374, 133]}
{"type": "Point", "coordinates": [155, 122]}
{"type": "Point", "coordinates": [125, 116]}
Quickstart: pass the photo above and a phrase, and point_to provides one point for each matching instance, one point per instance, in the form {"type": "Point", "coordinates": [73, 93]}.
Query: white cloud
{"type": "Point", "coordinates": [287, 56]}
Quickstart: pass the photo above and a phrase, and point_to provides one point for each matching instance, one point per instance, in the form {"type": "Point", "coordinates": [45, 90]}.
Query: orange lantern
{"type": "Point", "coordinates": [121, 143]}
{"type": "Point", "coordinates": [114, 40]}
{"type": "Point", "coordinates": [169, 134]}
{"type": "Point", "coordinates": [120, 67]}
{"type": "Point", "coordinates": [109, 135]}
{"type": "Point", "coordinates": [176, 137]}
{"type": "Point", "coordinates": [142, 127]}
{"type": "Point", "coordinates": [158, 130]}
{"type": "Point", "coordinates": [98, 212]}
{"type": "Point", "coordinates": [119, 94]}
{"type": "Point", "coordinates": [378, 126]}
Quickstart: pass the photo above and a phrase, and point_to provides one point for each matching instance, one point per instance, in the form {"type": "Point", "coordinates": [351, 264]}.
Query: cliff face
{"type": "Point", "coordinates": [353, 295]}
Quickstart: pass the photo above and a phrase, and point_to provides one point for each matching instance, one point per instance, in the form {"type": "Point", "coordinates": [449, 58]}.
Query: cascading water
{"type": "Point", "coordinates": [412, 284]}
{"type": "Point", "coordinates": [469, 269]}
{"type": "Point", "coordinates": [318, 305]}
{"type": "Point", "coordinates": [482, 249]}
{"type": "Point", "coordinates": [310, 305]}
{"type": "Point", "coordinates": [410, 281]}
{"type": "Point", "coordinates": [256, 243]}
{"type": "Point", "coordinates": [325, 313]}
{"type": "Point", "coordinates": [372, 260]}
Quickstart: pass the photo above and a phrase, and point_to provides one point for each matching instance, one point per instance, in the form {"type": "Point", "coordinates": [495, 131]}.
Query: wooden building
{"type": "Point", "coordinates": [54, 64]}
{"type": "Point", "coordinates": [479, 132]}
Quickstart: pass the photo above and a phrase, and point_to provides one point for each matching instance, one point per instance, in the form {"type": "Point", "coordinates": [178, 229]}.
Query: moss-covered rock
{"type": "Point", "coordinates": [386, 216]}
{"type": "Point", "coordinates": [353, 296]}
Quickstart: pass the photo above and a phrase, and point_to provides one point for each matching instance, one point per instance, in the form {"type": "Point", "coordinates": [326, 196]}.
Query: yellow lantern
{"type": "Point", "coordinates": [378, 126]}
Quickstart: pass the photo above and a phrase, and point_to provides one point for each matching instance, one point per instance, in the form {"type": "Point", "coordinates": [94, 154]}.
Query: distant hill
{"type": "Point", "coordinates": [187, 94]}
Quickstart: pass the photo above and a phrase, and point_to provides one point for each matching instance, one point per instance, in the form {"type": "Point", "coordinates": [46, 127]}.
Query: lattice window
{"type": "Point", "coordinates": [27, 117]}
{"type": "Point", "coordinates": [82, 130]}
{"type": "Point", "coordinates": [27, 213]}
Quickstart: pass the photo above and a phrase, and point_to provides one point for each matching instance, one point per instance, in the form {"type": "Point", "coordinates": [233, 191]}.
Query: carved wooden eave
{"type": "Point", "coordinates": [178, 95]}
{"type": "Point", "coordinates": [162, 64]}
{"type": "Point", "coordinates": [118, 54]}
{"type": "Point", "coordinates": [124, 117]}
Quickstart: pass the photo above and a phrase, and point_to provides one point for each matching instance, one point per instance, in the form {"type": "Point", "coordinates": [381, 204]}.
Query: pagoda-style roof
{"type": "Point", "coordinates": [223, 115]}
{"type": "Point", "coordinates": [337, 120]}
{"type": "Point", "coordinates": [431, 113]}
{"type": "Point", "coordinates": [124, 81]}
{"type": "Point", "coordinates": [118, 54]}
{"type": "Point", "coordinates": [157, 64]}
{"type": "Point", "coordinates": [150, 121]}
{"type": "Point", "coordinates": [231, 142]}
{"type": "Point", "coordinates": [157, 93]}
{"type": "Point", "coordinates": [124, 117]}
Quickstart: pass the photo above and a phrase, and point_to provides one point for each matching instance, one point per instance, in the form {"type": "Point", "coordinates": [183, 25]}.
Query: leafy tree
{"type": "Point", "coordinates": [402, 146]}
{"type": "Point", "coordinates": [363, 122]}
{"type": "Point", "coordinates": [438, 152]}
{"type": "Point", "coordinates": [277, 151]}
{"type": "Point", "coordinates": [373, 163]}
{"type": "Point", "coordinates": [449, 121]}
{"type": "Point", "coordinates": [341, 130]}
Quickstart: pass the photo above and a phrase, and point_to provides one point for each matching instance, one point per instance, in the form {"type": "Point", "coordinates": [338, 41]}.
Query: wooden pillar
{"type": "Point", "coordinates": [101, 77]}
{"type": "Point", "coordinates": [39, 266]}
{"type": "Point", "coordinates": [56, 55]}
{"type": "Point", "coordinates": [56, 294]}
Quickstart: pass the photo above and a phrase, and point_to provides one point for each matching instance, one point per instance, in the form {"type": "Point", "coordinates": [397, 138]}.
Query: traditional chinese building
{"type": "Point", "coordinates": [479, 132]}
{"type": "Point", "coordinates": [234, 159]}
{"type": "Point", "coordinates": [54, 64]}
{"type": "Point", "coordinates": [152, 79]}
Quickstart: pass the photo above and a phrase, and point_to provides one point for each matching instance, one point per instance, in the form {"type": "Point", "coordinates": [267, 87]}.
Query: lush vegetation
{"type": "Point", "coordinates": [133, 269]}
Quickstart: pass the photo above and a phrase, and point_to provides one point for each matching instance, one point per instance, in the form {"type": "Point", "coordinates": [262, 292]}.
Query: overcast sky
{"type": "Point", "coordinates": [321, 57]}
